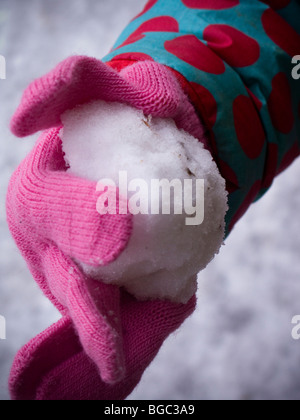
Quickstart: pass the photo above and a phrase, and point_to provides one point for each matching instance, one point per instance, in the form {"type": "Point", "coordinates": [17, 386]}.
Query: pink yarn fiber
{"type": "Point", "coordinates": [105, 338]}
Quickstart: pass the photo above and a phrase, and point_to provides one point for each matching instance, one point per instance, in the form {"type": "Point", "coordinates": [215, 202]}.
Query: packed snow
{"type": "Point", "coordinates": [238, 343]}
{"type": "Point", "coordinates": [176, 231]}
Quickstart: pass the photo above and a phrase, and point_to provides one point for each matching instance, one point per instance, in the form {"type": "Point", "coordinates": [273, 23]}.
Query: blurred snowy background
{"type": "Point", "coordinates": [238, 343]}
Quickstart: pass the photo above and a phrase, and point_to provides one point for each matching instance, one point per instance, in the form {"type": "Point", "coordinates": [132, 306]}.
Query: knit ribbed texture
{"type": "Point", "coordinates": [53, 218]}
{"type": "Point", "coordinates": [146, 85]}
{"type": "Point", "coordinates": [52, 205]}
{"type": "Point", "coordinates": [164, 97]}
{"type": "Point", "coordinates": [53, 366]}
{"type": "Point", "coordinates": [106, 338]}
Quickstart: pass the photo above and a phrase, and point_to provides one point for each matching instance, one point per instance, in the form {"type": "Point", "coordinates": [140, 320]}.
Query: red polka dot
{"type": "Point", "coordinates": [210, 4]}
{"type": "Point", "coordinates": [270, 165]}
{"type": "Point", "coordinates": [289, 158]}
{"type": "Point", "coordinates": [276, 4]}
{"type": "Point", "coordinates": [233, 46]}
{"type": "Point", "coordinates": [280, 32]}
{"type": "Point", "coordinates": [158, 24]}
{"type": "Point", "coordinates": [134, 56]}
{"type": "Point", "coordinates": [251, 196]}
{"type": "Point", "coordinates": [280, 104]}
{"type": "Point", "coordinates": [194, 52]}
{"type": "Point", "coordinates": [232, 183]}
{"type": "Point", "coordinates": [206, 103]}
{"type": "Point", "coordinates": [248, 127]}
{"type": "Point", "coordinates": [148, 6]}
{"type": "Point", "coordinates": [258, 104]}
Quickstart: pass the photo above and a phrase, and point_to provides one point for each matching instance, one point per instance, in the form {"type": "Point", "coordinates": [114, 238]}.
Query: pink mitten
{"type": "Point", "coordinates": [50, 212]}
{"type": "Point", "coordinates": [106, 338]}
{"type": "Point", "coordinates": [55, 366]}
{"type": "Point", "coordinates": [146, 85]}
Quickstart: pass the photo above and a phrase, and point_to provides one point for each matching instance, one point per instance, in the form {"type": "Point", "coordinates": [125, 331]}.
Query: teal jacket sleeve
{"type": "Point", "coordinates": [237, 55]}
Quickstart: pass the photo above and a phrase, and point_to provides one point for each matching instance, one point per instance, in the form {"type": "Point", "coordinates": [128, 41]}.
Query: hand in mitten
{"type": "Point", "coordinates": [105, 335]}
{"type": "Point", "coordinates": [50, 211]}
{"type": "Point", "coordinates": [55, 366]}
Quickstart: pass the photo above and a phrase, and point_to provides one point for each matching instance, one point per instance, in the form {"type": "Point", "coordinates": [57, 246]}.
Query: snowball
{"type": "Point", "coordinates": [166, 251]}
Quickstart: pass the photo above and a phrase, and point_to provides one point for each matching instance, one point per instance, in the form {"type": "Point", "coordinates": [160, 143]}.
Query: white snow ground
{"type": "Point", "coordinates": [238, 343]}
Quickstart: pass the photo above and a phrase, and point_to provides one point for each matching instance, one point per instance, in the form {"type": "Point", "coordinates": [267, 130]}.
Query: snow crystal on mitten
{"type": "Point", "coordinates": [115, 143]}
